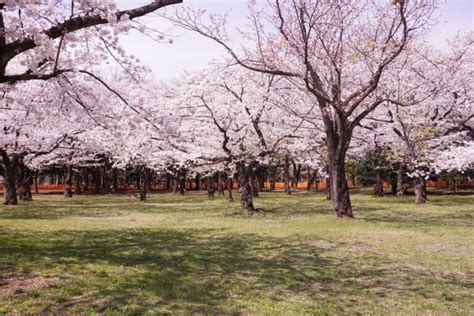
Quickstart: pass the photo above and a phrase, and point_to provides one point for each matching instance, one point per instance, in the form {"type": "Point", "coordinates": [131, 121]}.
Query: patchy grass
{"type": "Point", "coordinates": [184, 255]}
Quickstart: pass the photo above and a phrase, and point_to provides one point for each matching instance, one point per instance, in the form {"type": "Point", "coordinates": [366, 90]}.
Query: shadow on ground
{"type": "Point", "coordinates": [195, 271]}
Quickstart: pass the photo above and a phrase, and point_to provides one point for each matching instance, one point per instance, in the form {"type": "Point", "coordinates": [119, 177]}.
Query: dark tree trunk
{"type": "Point", "coordinates": [137, 181]}
{"type": "Point", "coordinates": [175, 184]}
{"type": "Point", "coordinates": [245, 189]}
{"type": "Point", "coordinates": [220, 184]}
{"type": "Point", "coordinates": [338, 136]}
{"type": "Point", "coordinates": [211, 186]}
{"type": "Point", "coordinates": [106, 180]}
{"type": "Point", "coordinates": [115, 187]}
{"type": "Point", "coordinates": [453, 185]}
{"type": "Point", "coordinates": [229, 188]}
{"type": "Point", "coordinates": [393, 186]}
{"type": "Point", "coordinates": [340, 199]}
{"type": "Point", "coordinates": [261, 174]}
{"type": "Point", "coordinates": [400, 188]}
{"type": "Point", "coordinates": [419, 186]}
{"type": "Point", "coordinates": [24, 182]}
{"type": "Point", "coordinates": [9, 178]}
{"type": "Point", "coordinates": [197, 181]}
{"type": "Point", "coordinates": [182, 182]}
{"type": "Point", "coordinates": [77, 183]}
{"type": "Point", "coordinates": [168, 183]}
{"type": "Point", "coordinates": [36, 182]}
{"type": "Point", "coordinates": [253, 184]}
{"type": "Point", "coordinates": [150, 180]}
{"type": "Point", "coordinates": [286, 174]}
{"type": "Point", "coordinates": [96, 180]}
{"type": "Point", "coordinates": [68, 182]}
{"type": "Point", "coordinates": [86, 181]}
{"type": "Point", "coordinates": [296, 176]}
{"type": "Point", "coordinates": [328, 188]}
{"type": "Point", "coordinates": [144, 176]}
{"type": "Point", "coordinates": [310, 182]}
{"type": "Point", "coordinates": [9, 190]}
{"type": "Point", "coordinates": [378, 185]}
{"type": "Point", "coordinates": [272, 185]}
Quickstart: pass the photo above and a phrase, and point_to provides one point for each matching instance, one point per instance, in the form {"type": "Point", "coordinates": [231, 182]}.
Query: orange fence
{"type": "Point", "coordinates": [301, 185]}
{"type": "Point", "coordinates": [278, 185]}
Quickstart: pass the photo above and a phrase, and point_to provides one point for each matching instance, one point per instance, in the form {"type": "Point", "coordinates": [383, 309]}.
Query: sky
{"type": "Point", "coordinates": [191, 52]}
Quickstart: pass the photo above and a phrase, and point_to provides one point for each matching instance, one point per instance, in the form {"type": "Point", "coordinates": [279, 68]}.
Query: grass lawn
{"type": "Point", "coordinates": [184, 255]}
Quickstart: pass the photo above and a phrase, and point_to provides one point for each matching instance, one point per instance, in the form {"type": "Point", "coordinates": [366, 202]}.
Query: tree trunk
{"type": "Point", "coordinates": [453, 186]}
{"type": "Point", "coordinates": [245, 189]}
{"type": "Point", "coordinates": [419, 186]}
{"type": "Point", "coordinates": [175, 184]}
{"type": "Point", "coordinates": [137, 180]}
{"type": "Point", "coordinates": [68, 182]}
{"type": "Point", "coordinates": [86, 181]}
{"type": "Point", "coordinates": [182, 183]}
{"type": "Point", "coordinates": [338, 136]}
{"type": "Point", "coordinates": [144, 175]}
{"type": "Point", "coordinates": [96, 180]}
{"type": "Point", "coordinates": [115, 187]}
{"type": "Point", "coordinates": [106, 180]}
{"type": "Point", "coordinates": [197, 181]}
{"type": "Point", "coordinates": [168, 183]}
{"type": "Point", "coordinates": [261, 175]}
{"type": "Point", "coordinates": [253, 184]}
{"type": "Point", "coordinates": [211, 186]}
{"type": "Point", "coordinates": [220, 184]}
{"type": "Point", "coordinates": [286, 174]}
{"type": "Point", "coordinates": [328, 189]}
{"type": "Point", "coordinates": [340, 199]}
{"type": "Point", "coordinates": [393, 186]}
{"type": "Point", "coordinates": [229, 188]}
{"type": "Point", "coordinates": [77, 183]}
{"type": "Point", "coordinates": [36, 182]}
{"type": "Point", "coordinates": [378, 185]}
{"type": "Point", "coordinates": [310, 181]}
{"type": "Point", "coordinates": [9, 190]}
{"type": "Point", "coordinates": [24, 182]}
{"type": "Point", "coordinates": [400, 188]}
{"type": "Point", "coordinates": [150, 180]}
{"type": "Point", "coordinates": [9, 179]}
{"type": "Point", "coordinates": [296, 175]}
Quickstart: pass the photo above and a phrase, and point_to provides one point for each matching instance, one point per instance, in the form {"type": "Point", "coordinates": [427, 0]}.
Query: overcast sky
{"type": "Point", "coordinates": [193, 52]}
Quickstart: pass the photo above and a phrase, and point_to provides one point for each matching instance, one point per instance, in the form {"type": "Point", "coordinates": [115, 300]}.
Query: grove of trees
{"type": "Point", "coordinates": [325, 88]}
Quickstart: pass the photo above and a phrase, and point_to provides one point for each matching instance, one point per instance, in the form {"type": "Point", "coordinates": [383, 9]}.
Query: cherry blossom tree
{"type": "Point", "coordinates": [432, 111]}
{"type": "Point", "coordinates": [36, 119]}
{"type": "Point", "coordinates": [229, 117]}
{"type": "Point", "coordinates": [339, 52]}
{"type": "Point", "coordinates": [43, 39]}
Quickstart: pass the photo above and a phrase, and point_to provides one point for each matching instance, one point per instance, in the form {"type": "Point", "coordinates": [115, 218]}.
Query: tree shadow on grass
{"type": "Point", "coordinates": [189, 271]}
{"type": "Point", "coordinates": [106, 206]}
{"type": "Point", "coordinates": [52, 212]}
{"type": "Point", "coordinates": [461, 218]}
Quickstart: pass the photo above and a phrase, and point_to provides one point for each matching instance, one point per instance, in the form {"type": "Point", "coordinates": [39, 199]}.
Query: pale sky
{"type": "Point", "coordinates": [190, 51]}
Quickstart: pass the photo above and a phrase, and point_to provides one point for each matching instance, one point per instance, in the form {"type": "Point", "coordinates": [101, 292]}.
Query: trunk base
{"type": "Point", "coordinates": [344, 214]}
{"type": "Point", "coordinates": [420, 191]}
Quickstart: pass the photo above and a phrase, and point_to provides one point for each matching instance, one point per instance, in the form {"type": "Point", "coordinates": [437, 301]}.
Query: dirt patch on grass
{"type": "Point", "coordinates": [15, 285]}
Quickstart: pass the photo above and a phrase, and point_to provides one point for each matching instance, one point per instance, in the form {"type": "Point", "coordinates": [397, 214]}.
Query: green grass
{"type": "Point", "coordinates": [186, 255]}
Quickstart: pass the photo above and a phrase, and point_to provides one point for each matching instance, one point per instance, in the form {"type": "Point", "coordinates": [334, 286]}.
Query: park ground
{"type": "Point", "coordinates": [186, 255]}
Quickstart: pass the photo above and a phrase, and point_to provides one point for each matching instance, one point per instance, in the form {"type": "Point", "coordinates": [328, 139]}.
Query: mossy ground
{"type": "Point", "coordinates": [184, 255]}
